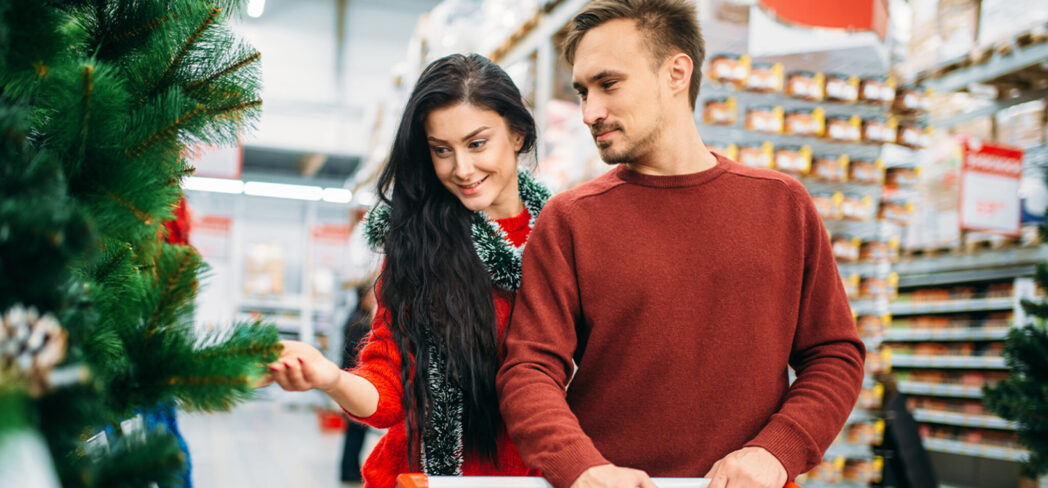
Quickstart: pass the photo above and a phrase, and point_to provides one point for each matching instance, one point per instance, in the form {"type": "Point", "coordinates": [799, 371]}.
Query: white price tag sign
{"type": "Point", "coordinates": [990, 188]}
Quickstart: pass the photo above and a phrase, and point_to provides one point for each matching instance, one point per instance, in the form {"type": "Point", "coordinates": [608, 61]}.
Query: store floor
{"type": "Point", "coordinates": [274, 441]}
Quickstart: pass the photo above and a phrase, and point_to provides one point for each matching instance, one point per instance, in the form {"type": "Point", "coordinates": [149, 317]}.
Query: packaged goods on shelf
{"type": "Point", "coordinates": [866, 172]}
{"type": "Point", "coordinates": [766, 119]}
{"type": "Point", "coordinates": [760, 156]}
{"type": "Point", "coordinates": [872, 325]}
{"type": "Point", "coordinates": [914, 134]}
{"type": "Point", "coordinates": [730, 68]}
{"type": "Point", "coordinates": [830, 168]}
{"type": "Point", "coordinates": [863, 470]}
{"type": "Point", "coordinates": [806, 85]}
{"type": "Point", "coordinates": [895, 211]}
{"type": "Point", "coordinates": [901, 176]}
{"type": "Point", "coordinates": [909, 99]}
{"type": "Point", "coordinates": [844, 128]}
{"type": "Point", "coordinates": [871, 398]}
{"type": "Point", "coordinates": [828, 204]}
{"type": "Point", "coordinates": [793, 159]}
{"type": "Point", "coordinates": [879, 129]}
{"type": "Point", "coordinates": [765, 77]}
{"type": "Point", "coordinates": [809, 122]}
{"type": "Point", "coordinates": [878, 361]}
{"type": "Point", "coordinates": [851, 285]}
{"type": "Point", "coordinates": [865, 433]}
{"type": "Point", "coordinates": [842, 88]}
{"type": "Point", "coordinates": [845, 248]}
{"type": "Point", "coordinates": [879, 287]}
{"type": "Point", "coordinates": [857, 207]}
{"type": "Point", "coordinates": [720, 111]}
{"type": "Point", "coordinates": [828, 471]}
{"type": "Point", "coordinates": [879, 250]}
{"type": "Point", "coordinates": [877, 89]}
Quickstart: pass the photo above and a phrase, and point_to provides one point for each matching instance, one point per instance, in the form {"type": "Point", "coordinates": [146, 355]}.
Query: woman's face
{"type": "Point", "coordinates": [474, 154]}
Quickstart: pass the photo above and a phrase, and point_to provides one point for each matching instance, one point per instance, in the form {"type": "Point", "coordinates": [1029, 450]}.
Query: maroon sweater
{"type": "Point", "coordinates": [682, 299]}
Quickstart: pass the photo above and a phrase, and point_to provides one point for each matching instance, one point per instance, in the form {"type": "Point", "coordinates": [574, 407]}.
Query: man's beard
{"type": "Point", "coordinates": [628, 153]}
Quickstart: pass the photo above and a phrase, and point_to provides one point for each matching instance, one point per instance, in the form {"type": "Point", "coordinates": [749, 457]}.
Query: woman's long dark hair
{"type": "Point", "coordinates": [433, 282]}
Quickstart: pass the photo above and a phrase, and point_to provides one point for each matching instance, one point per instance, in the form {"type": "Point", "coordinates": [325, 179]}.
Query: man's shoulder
{"type": "Point", "coordinates": [764, 176]}
{"type": "Point", "coordinates": [586, 191]}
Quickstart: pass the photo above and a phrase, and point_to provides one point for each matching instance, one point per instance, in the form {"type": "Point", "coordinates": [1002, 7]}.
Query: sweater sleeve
{"type": "Point", "coordinates": [540, 345]}
{"type": "Point", "coordinates": [379, 363]}
{"type": "Point", "coordinates": [827, 355]}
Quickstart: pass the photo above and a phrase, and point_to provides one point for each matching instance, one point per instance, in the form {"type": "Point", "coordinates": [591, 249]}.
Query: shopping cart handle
{"type": "Point", "coordinates": [416, 480]}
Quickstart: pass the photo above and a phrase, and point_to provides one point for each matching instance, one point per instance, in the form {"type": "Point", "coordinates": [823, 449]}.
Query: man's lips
{"type": "Point", "coordinates": [601, 136]}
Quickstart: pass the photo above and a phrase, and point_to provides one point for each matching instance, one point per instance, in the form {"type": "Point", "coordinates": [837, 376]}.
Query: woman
{"type": "Point", "coordinates": [454, 216]}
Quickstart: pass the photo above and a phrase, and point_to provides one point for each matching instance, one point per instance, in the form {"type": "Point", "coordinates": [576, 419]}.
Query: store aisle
{"type": "Point", "coordinates": [274, 441]}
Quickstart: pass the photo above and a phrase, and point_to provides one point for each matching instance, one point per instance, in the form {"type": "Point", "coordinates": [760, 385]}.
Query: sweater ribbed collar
{"type": "Point", "coordinates": [626, 174]}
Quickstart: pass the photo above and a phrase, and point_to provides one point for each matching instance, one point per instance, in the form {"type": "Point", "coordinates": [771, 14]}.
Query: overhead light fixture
{"type": "Point", "coordinates": [279, 190]}
{"type": "Point", "coordinates": [255, 8]}
{"type": "Point", "coordinates": [338, 195]}
{"type": "Point", "coordinates": [218, 185]}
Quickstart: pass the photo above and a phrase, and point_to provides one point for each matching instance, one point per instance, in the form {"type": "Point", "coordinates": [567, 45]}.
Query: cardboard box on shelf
{"type": "Point", "coordinates": [1022, 125]}
{"type": "Point", "coordinates": [1001, 19]}
{"type": "Point", "coordinates": [935, 222]}
{"type": "Point", "coordinates": [941, 30]}
{"type": "Point", "coordinates": [264, 269]}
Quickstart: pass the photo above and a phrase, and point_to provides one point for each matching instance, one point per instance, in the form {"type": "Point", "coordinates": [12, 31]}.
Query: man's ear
{"type": "Point", "coordinates": [680, 67]}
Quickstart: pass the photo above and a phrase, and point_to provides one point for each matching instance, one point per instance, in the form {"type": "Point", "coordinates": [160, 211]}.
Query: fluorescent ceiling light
{"type": "Point", "coordinates": [278, 190]}
{"type": "Point", "coordinates": [256, 7]}
{"type": "Point", "coordinates": [218, 185]}
{"type": "Point", "coordinates": [337, 195]}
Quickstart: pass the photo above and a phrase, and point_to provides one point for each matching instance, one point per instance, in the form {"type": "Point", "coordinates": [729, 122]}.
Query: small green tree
{"type": "Point", "coordinates": [1023, 396]}
{"type": "Point", "coordinates": [98, 101]}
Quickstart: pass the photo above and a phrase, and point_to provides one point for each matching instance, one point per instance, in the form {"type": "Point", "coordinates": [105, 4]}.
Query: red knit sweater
{"type": "Point", "coordinates": [682, 299]}
{"type": "Point", "coordinates": [380, 364]}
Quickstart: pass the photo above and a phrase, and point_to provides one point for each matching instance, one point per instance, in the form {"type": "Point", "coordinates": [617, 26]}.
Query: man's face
{"type": "Point", "coordinates": [622, 99]}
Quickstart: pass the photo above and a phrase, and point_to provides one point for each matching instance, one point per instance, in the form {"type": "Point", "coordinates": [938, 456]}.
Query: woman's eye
{"type": "Point", "coordinates": [477, 144]}
{"type": "Point", "coordinates": [439, 150]}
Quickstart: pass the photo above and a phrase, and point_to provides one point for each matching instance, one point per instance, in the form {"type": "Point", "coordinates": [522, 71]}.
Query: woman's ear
{"type": "Point", "coordinates": [518, 141]}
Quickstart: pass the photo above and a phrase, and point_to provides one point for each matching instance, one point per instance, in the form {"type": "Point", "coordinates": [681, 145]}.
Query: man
{"type": "Point", "coordinates": [681, 283]}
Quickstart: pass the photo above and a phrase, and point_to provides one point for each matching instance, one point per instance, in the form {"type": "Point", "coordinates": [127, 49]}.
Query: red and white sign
{"type": "Point", "coordinates": [990, 178]}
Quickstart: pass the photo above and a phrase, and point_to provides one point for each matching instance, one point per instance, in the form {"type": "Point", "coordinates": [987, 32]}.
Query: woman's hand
{"type": "Point", "coordinates": [302, 367]}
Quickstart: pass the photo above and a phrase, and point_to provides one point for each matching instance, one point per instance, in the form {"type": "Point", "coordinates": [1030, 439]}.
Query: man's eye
{"type": "Point", "coordinates": [607, 84]}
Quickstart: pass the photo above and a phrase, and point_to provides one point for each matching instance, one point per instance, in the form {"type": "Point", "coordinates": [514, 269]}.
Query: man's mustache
{"type": "Point", "coordinates": [598, 128]}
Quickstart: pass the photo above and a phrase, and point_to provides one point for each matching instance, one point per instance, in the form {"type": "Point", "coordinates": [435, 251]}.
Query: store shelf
{"type": "Point", "coordinates": [938, 389]}
{"type": "Point", "coordinates": [850, 451]}
{"type": "Point", "coordinates": [747, 98]}
{"type": "Point", "coordinates": [998, 65]}
{"type": "Point", "coordinates": [963, 362]}
{"type": "Point", "coordinates": [736, 134]}
{"type": "Point", "coordinates": [965, 420]}
{"type": "Point", "coordinates": [989, 109]}
{"type": "Point", "coordinates": [950, 306]}
{"type": "Point", "coordinates": [870, 307]}
{"type": "Point", "coordinates": [956, 334]}
{"type": "Point", "coordinates": [983, 266]}
{"type": "Point", "coordinates": [551, 22]}
{"type": "Point", "coordinates": [977, 450]}
{"type": "Point", "coordinates": [287, 302]}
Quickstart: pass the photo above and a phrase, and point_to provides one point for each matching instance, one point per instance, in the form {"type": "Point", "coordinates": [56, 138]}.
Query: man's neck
{"type": "Point", "coordinates": [679, 150]}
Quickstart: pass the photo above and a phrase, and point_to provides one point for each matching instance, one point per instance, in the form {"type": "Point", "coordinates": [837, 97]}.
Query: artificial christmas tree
{"type": "Point", "coordinates": [98, 100]}
{"type": "Point", "coordinates": [1023, 396]}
